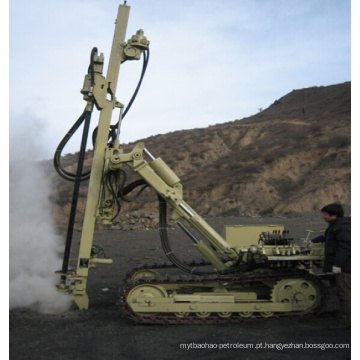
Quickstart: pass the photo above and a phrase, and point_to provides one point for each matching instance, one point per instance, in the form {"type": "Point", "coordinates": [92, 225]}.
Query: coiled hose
{"type": "Point", "coordinates": [175, 260]}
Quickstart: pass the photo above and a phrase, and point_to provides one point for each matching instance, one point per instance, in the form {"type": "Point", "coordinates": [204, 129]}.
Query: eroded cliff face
{"type": "Point", "coordinates": [294, 156]}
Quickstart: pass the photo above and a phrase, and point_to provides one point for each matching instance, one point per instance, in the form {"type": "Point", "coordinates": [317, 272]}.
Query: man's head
{"type": "Point", "coordinates": [331, 212]}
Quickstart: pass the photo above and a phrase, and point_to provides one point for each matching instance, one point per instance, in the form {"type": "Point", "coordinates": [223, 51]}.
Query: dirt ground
{"type": "Point", "coordinates": [103, 333]}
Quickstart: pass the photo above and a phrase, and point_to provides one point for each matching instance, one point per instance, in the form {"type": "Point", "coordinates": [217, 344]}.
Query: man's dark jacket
{"type": "Point", "coordinates": [337, 240]}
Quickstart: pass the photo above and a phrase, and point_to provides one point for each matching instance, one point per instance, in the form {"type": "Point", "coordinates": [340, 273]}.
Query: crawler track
{"type": "Point", "coordinates": [181, 281]}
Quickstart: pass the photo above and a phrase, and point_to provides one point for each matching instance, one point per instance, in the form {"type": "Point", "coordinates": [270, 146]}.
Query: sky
{"type": "Point", "coordinates": [210, 61]}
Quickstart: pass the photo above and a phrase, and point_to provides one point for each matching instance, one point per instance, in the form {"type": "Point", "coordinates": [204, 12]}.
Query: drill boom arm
{"type": "Point", "coordinates": [167, 185]}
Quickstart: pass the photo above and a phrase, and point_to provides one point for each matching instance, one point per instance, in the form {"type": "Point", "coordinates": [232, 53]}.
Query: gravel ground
{"type": "Point", "coordinates": [101, 332]}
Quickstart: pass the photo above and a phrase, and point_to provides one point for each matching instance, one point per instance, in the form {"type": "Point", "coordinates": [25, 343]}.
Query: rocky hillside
{"type": "Point", "coordinates": [293, 156]}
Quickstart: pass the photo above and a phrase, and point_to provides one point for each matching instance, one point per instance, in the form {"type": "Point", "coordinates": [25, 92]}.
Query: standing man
{"type": "Point", "coordinates": [337, 240]}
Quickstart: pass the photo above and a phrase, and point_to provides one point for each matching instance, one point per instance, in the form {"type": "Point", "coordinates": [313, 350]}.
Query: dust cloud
{"type": "Point", "coordinates": [35, 248]}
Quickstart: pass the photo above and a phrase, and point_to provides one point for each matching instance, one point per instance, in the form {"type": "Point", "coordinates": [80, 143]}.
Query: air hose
{"type": "Point", "coordinates": [175, 260]}
{"type": "Point", "coordinates": [78, 179]}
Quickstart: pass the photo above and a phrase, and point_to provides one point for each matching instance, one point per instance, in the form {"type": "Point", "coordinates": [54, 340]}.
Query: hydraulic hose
{"type": "Point", "coordinates": [166, 245]}
{"type": "Point", "coordinates": [174, 259]}
{"type": "Point", "coordinates": [78, 179]}
{"type": "Point", "coordinates": [112, 132]}
{"type": "Point", "coordinates": [113, 128]}
{"type": "Point", "coordinates": [57, 157]}
{"type": "Point", "coordinates": [146, 56]}
{"type": "Point", "coordinates": [123, 191]}
{"type": "Point", "coordinates": [79, 176]}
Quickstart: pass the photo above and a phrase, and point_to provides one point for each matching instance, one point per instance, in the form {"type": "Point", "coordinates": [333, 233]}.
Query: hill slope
{"type": "Point", "coordinates": [291, 157]}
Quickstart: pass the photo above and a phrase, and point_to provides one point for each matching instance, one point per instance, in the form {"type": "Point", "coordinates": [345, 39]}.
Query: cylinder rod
{"type": "Point", "coordinates": [188, 233]}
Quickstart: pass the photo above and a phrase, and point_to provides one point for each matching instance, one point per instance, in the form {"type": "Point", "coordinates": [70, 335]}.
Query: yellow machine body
{"type": "Point", "coordinates": [243, 236]}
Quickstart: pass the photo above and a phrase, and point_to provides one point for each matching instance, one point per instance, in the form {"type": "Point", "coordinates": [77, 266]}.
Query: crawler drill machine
{"type": "Point", "coordinates": [242, 276]}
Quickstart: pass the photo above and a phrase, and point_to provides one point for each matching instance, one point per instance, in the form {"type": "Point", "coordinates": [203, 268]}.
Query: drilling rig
{"type": "Point", "coordinates": [242, 275]}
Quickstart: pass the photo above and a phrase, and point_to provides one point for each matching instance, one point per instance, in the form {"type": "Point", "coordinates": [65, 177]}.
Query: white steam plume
{"type": "Point", "coordinates": [34, 246]}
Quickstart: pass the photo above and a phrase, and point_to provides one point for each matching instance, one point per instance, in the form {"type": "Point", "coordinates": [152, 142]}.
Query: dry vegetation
{"type": "Point", "coordinates": [293, 156]}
